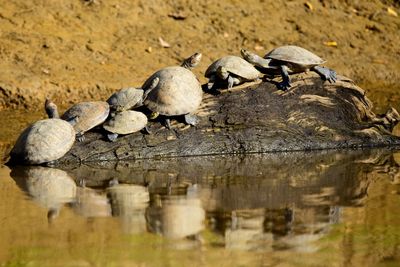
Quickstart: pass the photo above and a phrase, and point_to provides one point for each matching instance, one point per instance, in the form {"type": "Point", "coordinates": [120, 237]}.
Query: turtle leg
{"type": "Point", "coordinates": [231, 81]}
{"type": "Point", "coordinates": [112, 137]}
{"type": "Point", "coordinates": [146, 130]}
{"type": "Point", "coordinates": [167, 123]}
{"type": "Point", "coordinates": [285, 84]}
{"type": "Point", "coordinates": [80, 137]}
{"type": "Point", "coordinates": [326, 74]}
{"type": "Point", "coordinates": [191, 119]}
{"type": "Point", "coordinates": [211, 82]}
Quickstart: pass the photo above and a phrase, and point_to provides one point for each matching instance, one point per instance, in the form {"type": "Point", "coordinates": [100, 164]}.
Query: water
{"type": "Point", "coordinates": [323, 208]}
{"type": "Point", "coordinates": [294, 209]}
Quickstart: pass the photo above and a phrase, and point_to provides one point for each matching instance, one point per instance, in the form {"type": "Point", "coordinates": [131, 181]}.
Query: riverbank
{"type": "Point", "coordinates": [81, 50]}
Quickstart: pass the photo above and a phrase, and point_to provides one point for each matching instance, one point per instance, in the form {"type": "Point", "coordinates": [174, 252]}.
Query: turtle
{"type": "Point", "coordinates": [176, 93]}
{"type": "Point", "coordinates": [288, 59]}
{"type": "Point", "coordinates": [232, 69]}
{"type": "Point", "coordinates": [125, 122]}
{"type": "Point", "coordinates": [86, 115]}
{"type": "Point", "coordinates": [44, 141]}
{"type": "Point", "coordinates": [129, 98]}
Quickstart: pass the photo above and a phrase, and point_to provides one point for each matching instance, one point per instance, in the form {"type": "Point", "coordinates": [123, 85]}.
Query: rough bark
{"type": "Point", "coordinates": [256, 118]}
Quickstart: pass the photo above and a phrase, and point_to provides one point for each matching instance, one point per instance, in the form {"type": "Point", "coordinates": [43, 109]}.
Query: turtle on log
{"type": "Point", "coordinates": [231, 69]}
{"type": "Point", "coordinates": [45, 140]}
{"type": "Point", "coordinates": [174, 91]}
{"type": "Point", "coordinates": [289, 59]}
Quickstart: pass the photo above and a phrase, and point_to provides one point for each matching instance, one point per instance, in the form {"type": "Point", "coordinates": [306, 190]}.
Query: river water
{"type": "Point", "coordinates": [324, 208]}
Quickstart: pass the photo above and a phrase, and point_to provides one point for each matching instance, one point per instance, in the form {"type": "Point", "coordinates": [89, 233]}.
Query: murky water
{"type": "Point", "coordinates": [324, 208]}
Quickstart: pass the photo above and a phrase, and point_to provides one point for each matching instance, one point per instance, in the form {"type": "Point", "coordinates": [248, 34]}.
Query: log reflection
{"type": "Point", "coordinates": [257, 202]}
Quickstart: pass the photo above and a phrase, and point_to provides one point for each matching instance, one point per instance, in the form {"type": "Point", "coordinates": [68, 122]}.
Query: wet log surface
{"type": "Point", "coordinates": [257, 118]}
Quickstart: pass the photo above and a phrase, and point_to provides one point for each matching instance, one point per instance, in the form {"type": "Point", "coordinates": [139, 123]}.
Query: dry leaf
{"type": "Point", "coordinates": [392, 12]}
{"type": "Point", "coordinates": [177, 15]}
{"type": "Point", "coordinates": [163, 43]}
{"type": "Point", "coordinates": [309, 6]}
{"type": "Point", "coordinates": [259, 47]}
{"type": "Point", "coordinates": [379, 61]}
{"type": "Point", "coordinates": [331, 43]}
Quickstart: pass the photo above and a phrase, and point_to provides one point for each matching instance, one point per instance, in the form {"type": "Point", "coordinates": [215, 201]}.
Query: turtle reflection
{"type": "Point", "coordinates": [49, 187]}
{"type": "Point", "coordinates": [129, 202]}
{"type": "Point", "coordinates": [176, 217]}
{"type": "Point", "coordinates": [91, 203]}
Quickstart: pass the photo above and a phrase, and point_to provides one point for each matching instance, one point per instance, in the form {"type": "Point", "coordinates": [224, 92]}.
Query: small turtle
{"type": "Point", "coordinates": [129, 98]}
{"type": "Point", "coordinates": [177, 91]}
{"type": "Point", "coordinates": [86, 115]}
{"type": "Point", "coordinates": [235, 70]}
{"type": "Point", "coordinates": [125, 122]}
{"type": "Point", "coordinates": [44, 141]}
{"type": "Point", "coordinates": [290, 59]}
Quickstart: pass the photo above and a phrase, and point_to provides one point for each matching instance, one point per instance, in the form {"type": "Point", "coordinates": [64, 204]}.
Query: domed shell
{"type": "Point", "coordinates": [295, 54]}
{"type": "Point", "coordinates": [125, 98]}
{"type": "Point", "coordinates": [88, 114]}
{"type": "Point", "coordinates": [126, 122]}
{"type": "Point", "coordinates": [44, 141]}
{"type": "Point", "coordinates": [178, 92]}
{"type": "Point", "coordinates": [235, 65]}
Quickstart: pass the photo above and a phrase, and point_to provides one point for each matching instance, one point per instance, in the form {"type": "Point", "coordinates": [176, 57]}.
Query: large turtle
{"type": "Point", "coordinates": [290, 59]}
{"type": "Point", "coordinates": [125, 122]}
{"type": "Point", "coordinates": [232, 69]}
{"type": "Point", "coordinates": [86, 115]}
{"type": "Point", "coordinates": [45, 140]}
{"type": "Point", "coordinates": [177, 92]}
{"type": "Point", "coordinates": [129, 98]}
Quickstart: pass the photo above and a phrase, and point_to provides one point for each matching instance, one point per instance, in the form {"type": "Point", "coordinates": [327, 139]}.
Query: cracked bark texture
{"type": "Point", "coordinates": [257, 118]}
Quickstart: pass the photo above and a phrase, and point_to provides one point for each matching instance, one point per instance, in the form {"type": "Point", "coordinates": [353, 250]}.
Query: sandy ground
{"type": "Point", "coordinates": [74, 50]}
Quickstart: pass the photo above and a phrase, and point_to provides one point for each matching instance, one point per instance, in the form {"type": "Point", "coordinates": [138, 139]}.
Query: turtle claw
{"type": "Point", "coordinates": [326, 74]}
{"type": "Point", "coordinates": [80, 137]}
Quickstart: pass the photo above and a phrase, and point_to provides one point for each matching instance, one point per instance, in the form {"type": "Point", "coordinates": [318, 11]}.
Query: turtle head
{"type": "Point", "coordinates": [222, 73]}
{"type": "Point", "coordinates": [51, 109]}
{"type": "Point", "coordinates": [248, 56]}
{"type": "Point", "coordinates": [192, 61]}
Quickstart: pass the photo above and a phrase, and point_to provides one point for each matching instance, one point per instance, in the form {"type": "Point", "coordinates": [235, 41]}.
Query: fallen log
{"type": "Point", "coordinates": [257, 118]}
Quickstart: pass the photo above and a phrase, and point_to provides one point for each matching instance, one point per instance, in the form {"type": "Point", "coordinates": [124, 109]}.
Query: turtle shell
{"type": "Point", "coordinates": [126, 122]}
{"type": "Point", "coordinates": [235, 65]}
{"type": "Point", "coordinates": [44, 141]}
{"type": "Point", "coordinates": [295, 54]}
{"type": "Point", "coordinates": [178, 92]}
{"type": "Point", "coordinates": [125, 98]}
{"type": "Point", "coordinates": [88, 114]}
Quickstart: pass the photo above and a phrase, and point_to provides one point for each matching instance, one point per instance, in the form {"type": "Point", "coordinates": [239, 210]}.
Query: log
{"type": "Point", "coordinates": [257, 118]}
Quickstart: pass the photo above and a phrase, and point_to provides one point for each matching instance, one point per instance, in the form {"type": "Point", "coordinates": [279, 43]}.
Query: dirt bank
{"type": "Point", "coordinates": [75, 50]}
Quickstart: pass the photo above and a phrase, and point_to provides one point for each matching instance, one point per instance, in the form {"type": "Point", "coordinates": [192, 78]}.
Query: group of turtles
{"type": "Point", "coordinates": [169, 92]}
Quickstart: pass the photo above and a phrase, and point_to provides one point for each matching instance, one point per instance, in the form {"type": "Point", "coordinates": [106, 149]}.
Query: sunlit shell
{"type": "Point", "coordinates": [44, 141]}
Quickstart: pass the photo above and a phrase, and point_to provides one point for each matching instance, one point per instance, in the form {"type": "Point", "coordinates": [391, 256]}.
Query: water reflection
{"type": "Point", "coordinates": [50, 188]}
{"type": "Point", "coordinates": [259, 202]}
{"type": "Point", "coordinates": [129, 202]}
